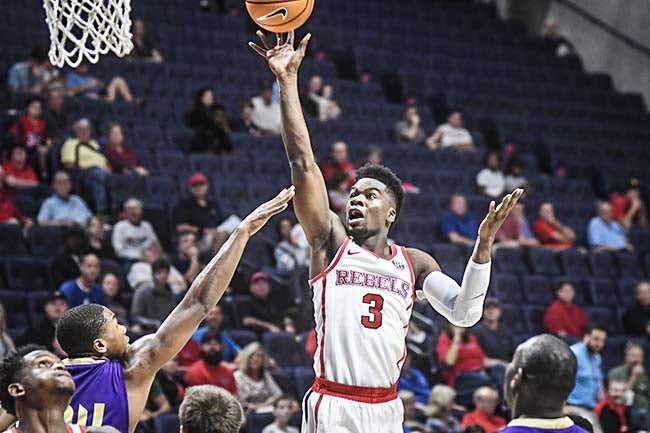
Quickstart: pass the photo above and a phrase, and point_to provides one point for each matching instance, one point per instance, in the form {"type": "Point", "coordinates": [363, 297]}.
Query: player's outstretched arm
{"type": "Point", "coordinates": [463, 305]}
{"type": "Point", "coordinates": [311, 203]}
{"type": "Point", "coordinates": [151, 352]}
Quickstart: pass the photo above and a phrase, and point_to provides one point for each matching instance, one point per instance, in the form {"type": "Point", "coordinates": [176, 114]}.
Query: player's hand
{"type": "Point", "coordinates": [283, 58]}
{"type": "Point", "coordinates": [497, 215]}
{"type": "Point", "coordinates": [260, 216]}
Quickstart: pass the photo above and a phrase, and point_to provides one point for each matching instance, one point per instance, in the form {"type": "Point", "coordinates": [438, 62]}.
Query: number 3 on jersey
{"type": "Point", "coordinates": [376, 303]}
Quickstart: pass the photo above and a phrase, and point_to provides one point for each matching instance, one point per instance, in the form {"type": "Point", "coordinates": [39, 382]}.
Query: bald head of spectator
{"type": "Point", "coordinates": [61, 185]}
{"type": "Point", "coordinates": [605, 212]}
{"type": "Point", "coordinates": [486, 400]}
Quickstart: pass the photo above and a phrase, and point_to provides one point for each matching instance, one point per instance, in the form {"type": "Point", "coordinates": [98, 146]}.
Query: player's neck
{"type": "Point", "coordinates": [537, 410]}
{"type": "Point", "coordinates": [42, 421]}
{"type": "Point", "coordinates": [378, 244]}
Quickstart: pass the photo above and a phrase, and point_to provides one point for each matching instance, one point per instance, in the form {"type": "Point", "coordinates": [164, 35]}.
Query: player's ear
{"type": "Point", "coordinates": [16, 390]}
{"type": "Point", "coordinates": [99, 346]}
{"type": "Point", "coordinates": [515, 382]}
{"type": "Point", "coordinates": [392, 215]}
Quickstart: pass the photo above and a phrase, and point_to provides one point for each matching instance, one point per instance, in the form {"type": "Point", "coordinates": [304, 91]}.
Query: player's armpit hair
{"type": "Point", "coordinates": [210, 409]}
{"type": "Point", "coordinates": [9, 368]}
{"type": "Point", "coordinates": [386, 176]}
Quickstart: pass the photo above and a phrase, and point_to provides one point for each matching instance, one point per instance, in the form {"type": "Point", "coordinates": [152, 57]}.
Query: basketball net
{"type": "Point", "coordinates": [87, 28]}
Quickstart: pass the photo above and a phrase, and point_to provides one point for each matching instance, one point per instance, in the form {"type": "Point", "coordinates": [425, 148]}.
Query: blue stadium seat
{"type": "Point", "coordinates": [284, 349]}
{"type": "Point", "coordinates": [161, 189]}
{"type": "Point", "coordinates": [171, 162]}
{"type": "Point", "coordinates": [27, 274]}
{"type": "Point", "coordinates": [304, 378]}
{"type": "Point", "coordinates": [46, 241]}
{"type": "Point", "coordinates": [285, 381]}
{"type": "Point", "coordinates": [627, 290]}
{"type": "Point", "coordinates": [35, 304]}
{"type": "Point", "coordinates": [167, 423]}
{"type": "Point", "coordinates": [513, 319]}
{"type": "Point", "coordinates": [506, 287]}
{"type": "Point", "coordinates": [543, 261]}
{"type": "Point", "coordinates": [629, 265]}
{"type": "Point", "coordinates": [124, 186]}
{"type": "Point", "coordinates": [603, 316]}
{"type": "Point", "coordinates": [602, 264]}
{"type": "Point", "coordinates": [538, 289]}
{"type": "Point", "coordinates": [14, 305]}
{"type": "Point", "coordinates": [603, 291]}
{"type": "Point", "coordinates": [534, 318]}
{"type": "Point", "coordinates": [242, 337]}
{"type": "Point", "coordinates": [451, 258]}
{"type": "Point", "coordinates": [256, 421]}
{"type": "Point", "coordinates": [574, 263]}
{"type": "Point", "coordinates": [511, 260]}
{"type": "Point", "coordinates": [12, 241]}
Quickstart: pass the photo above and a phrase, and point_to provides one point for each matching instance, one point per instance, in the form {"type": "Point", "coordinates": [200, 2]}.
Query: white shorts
{"type": "Point", "coordinates": [326, 413]}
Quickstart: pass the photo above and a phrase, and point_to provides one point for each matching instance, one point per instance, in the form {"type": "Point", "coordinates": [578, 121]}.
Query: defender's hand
{"type": "Point", "coordinates": [497, 215]}
{"type": "Point", "coordinates": [283, 58]}
{"type": "Point", "coordinates": [260, 216]}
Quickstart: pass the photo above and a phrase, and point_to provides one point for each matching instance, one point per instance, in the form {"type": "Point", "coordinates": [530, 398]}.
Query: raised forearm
{"type": "Point", "coordinates": [294, 127]}
{"type": "Point", "coordinates": [482, 250]}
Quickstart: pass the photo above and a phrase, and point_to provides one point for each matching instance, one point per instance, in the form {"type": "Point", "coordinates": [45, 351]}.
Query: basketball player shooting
{"type": "Point", "coordinates": [363, 287]}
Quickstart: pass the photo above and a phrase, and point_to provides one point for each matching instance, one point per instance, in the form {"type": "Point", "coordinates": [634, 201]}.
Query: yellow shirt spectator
{"type": "Point", "coordinates": [87, 157]}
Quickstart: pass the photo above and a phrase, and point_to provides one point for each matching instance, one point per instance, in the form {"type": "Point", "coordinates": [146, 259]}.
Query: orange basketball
{"type": "Point", "coordinates": [280, 16]}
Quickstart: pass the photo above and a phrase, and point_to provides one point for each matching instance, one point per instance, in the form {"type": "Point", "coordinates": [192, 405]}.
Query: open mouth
{"type": "Point", "coordinates": [355, 216]}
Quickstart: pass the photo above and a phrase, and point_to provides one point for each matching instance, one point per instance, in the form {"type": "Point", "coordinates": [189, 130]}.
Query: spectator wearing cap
{"type": "Point", "coordinates": [84, 289]}
{"type": "Point", "coordinates": [629, 208]}
{"type": "Point", "coordinates": [65, 266]}
{"type": "Point", "coordinates": [63, 208]}
{"type": "Point", "coordinates": [261, 315]}
{"type": "Point", "coordinates": [564, 318]}
{"type": "Point", "coordinates": [497, 341]}
{"type": "Point", "coordinates": [550, 232]}
{"type": "Point", "coordinates": [131, 235]}
{"type": "Point", "coordinates": [210, 369]}
{"type": "Point", "coordinates": [604, 233]}
{"type": "Point", "coordinates": [43, 331]}
{"type": "Point", "coordinates": [200, 215]}
{"type": "Point", "coordinates": [151, 305]}
{"type": "Point", "coordinates": [212, 323]}
{"type": "Point", "coordinates": [266, 111]}
{"type": "Point", "coordinates": [141, 274]}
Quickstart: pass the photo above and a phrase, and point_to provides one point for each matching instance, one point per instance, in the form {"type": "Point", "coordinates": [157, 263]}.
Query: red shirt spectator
{"type": "Point", "coordinates": [120, 158]}
{"type": "Point", "coordinates": [550, 232]}
{"type": "Point", "coordinates": [338, 163]}
{"type": "Point", "coordinates": [189, 355]}
{"type": "Point", "coordinates": [629, 208]}
{"type": "Point", "coordinates": [470, 356]}
{"type": "Point", "coordinates": [8, 210]}
{"type": "Point", "coordinates": [612, 411]}
{"type": "Point", "coordinates": [490, 424]}
{"type": "Point", "coordinates": [17, 173]}
{"type": "Point", "coordinates": [210, 370]}
{"type": "Point", "coordinates": [30, 128]}
{"type": "Point", "coordinates": [563, 317]}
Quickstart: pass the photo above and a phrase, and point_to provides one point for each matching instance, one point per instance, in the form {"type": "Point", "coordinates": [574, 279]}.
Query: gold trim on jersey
{"type": "Point", "coordinates": [543, 423]}
{"type": "Point", "coordinates": [82, 361]}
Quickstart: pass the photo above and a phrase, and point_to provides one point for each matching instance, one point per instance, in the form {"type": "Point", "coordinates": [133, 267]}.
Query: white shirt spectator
{"type": "Point", "coordinates": [492, 181]}
{"type": "Point", "coordinates": [140, 276]}
{"type": "Point", "coordinates": [454, 136]}
{"type": "Point", "coordinates": [267, 117]}
{"type": "Point", "coordinates": [129, 239]}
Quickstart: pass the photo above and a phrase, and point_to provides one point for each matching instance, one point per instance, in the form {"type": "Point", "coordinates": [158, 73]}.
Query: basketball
{"type": "Point", "coordinates": [280, 16]}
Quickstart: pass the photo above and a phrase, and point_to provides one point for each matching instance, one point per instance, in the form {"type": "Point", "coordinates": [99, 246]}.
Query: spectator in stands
{"type": "Point", "coordinates": [245, 121]}
{"type": "Point", "coordinates": [63, 208]}
{"type": "Point", "coordinates": [414, 380]}
{"type": "Point", "coordinates": [210, 370]}
{"type": "Point", "coordinates": [200, 215]}
{"type": "Point", "coordinates": [84, 289]}
{"type": "Point", "coordinates": [564, 318]}
{"type": "Point", "coordinates": [29, 131]}
{"type": "Point", "coordinates": [412, 423]}
{"type": "Point", "coordinates": [113, 298]}
{"type": "Point", "coordinates": [514, 175]}
{"type": "Point", "coordinates": [515, 231]}
{"type": "Point", "coordinates": [374, 155]}
{"type": "Point", "coordinates": [98, 242]}
{"type": "Point", "coordinates": [131, 234]}
{"type": "Point", "coordinates": [612, 412]}
{"type": "Point", "coordinates": [605, 234]}
{"type": "Point", "coordinates": [633, 374]}
{"type": "Point", "coordinates": [261, 315]}
{"type": "Point", "coordinates": [142, 46]}
{"type": "Point", "coordinates": [338, 192]}
{"type": "Point", "coordinates": [457, 224]}
{"type": "Point", "coordinates": [80, 82]}
{"type": "Point", "coordinates": [256, 388]}
{"type": "Point", "coordinates": [151, 305]}
{"type": "Point", "coordinates": [452, 135]}
{"type": "Point", "coordinates": [490, 180]}
{"type": "Point", "coordinates": [212, 323]}
{"type": "Point", "coordinates": [121, 159]}
{"type": "Point", "coordinates": [550, 232]}
{"type": "Point", "coordinates": [266, 112]}
{"type": "Point", "coordinates": [42, 332]}
{"type": "Point", "coordinates": [17, 174]}
{"type": "Point", "coordinates": [9, 213]}
{"type": "Point", "coordinates": [283, 408]}
{"type": "Point", "coordinates": [629, 208]}
{"type": "Point", "coordinates": [636, 319]}
{"type": "Point", "coordinates": [83, 152]}
{"type": "Point", "coordinates": [199, 115]}
{"type": "Point", "coordinates": [51, 78]}
{"type": "Point", "coordinates": [56, 116]}
{"type": "Point", "coordinates": [65, 266]}
{"type": "Point", "coordinates": [289, 256]}
{"type": "Point", "coordinates": [6, 342]}
{"type": "Point", "coordinates": [562, 46]}
{"type": "Point", "coordinates": [214, 135]}
{"type": "Point", "coordinates": [439, 410]}
{"type": "Point", "coordinates": [497, 341]}
{"type": "Point", "coordinates": [25, 76]}
{"type": "Point", "coordinates": [486, 400]}
{"type": "Point", "coordinates": [169, 380]}
{"type": "Point", "coordinates": [589, 378]}
{"type": "Point", "coordinates": [141, 273]}
{"type": "Point", "coordinates": [409, 130]}
{"type": "Point", "coordinates": [458, 351]}
{"type": "Point", "coordinates": [321, 97]}
{"type": "Point", "coordinates": [187, 259]}
{"type": "Point", "coordinates": [338, 162]}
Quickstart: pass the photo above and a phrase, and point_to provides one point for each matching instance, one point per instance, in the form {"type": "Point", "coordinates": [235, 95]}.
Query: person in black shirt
{"type": "Point", "coordinates": [42, 332]}
{"type": "Point", "coordinates": [496, 341]}
{"type": "Point", "coordinates": [261, 315]}
{"type": "Point", "coordinates": [187, 259]}
{"type": "Point", "coordinates": [65, 266]}
{"type": "Point", "coordinates": [636, 320]}
{"type": "Point", "coordinates": [142, 46]}
{"type": "Point", "coordinates": [214, 135]}
{"type": "Point", "coordinates": [199, 215]}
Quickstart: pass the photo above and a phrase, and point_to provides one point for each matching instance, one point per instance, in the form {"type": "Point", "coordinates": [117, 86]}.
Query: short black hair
{"type": "Point", "coordinates": [562, 282]}
{"type": "Point", "coordinates": [79, 327]}
{"type": "Point", "coordinates": [159, 265]}
{"type": "Point", "coordinates": [488, 154]}
{"type": "Point", "coordinates": [9, 369]}
{"type": "Point", "coordinates": [596, 326]}
{"type": "Point", "coordinates": [386, 176]}
{"type": "Point", "coordinates": [283, 397]}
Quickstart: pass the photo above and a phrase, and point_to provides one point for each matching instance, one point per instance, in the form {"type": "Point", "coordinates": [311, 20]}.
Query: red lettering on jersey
{"type": "Point", "coordinates": [370, 280]}
{"type": "Point", "coordinates": [341, 277]}
{"type": "Point", "coordinates": [383, 283]}
{"type": "Point", "coordinates": [406, 288]}
{"type": "Point", "coordinates": [356, 278]}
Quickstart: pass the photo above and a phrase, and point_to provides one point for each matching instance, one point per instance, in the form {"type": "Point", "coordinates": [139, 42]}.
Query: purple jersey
{"type": "Point", "coordinates": [100, 398]}
{"type": "Point", "coordinates": [538, 425]}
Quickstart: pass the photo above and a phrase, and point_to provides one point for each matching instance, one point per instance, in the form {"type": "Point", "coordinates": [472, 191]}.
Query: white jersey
{"type": "Point", "coordinates": [362, 307]}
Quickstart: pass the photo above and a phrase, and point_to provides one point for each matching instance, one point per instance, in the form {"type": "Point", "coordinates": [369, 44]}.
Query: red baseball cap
{"type": "Point", "coordinates": [259, 276]}
{"type": "Point", "coordinates": [197, 178]}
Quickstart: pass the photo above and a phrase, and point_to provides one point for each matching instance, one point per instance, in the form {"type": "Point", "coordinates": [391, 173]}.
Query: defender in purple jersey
{"type": "Point", "coordinates": [537, 383]}
{"type": "Point", "coordinates": [112, 377]}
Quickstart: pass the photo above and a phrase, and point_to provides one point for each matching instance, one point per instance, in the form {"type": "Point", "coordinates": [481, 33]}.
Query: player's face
{"type": "Point", "coordinates": [44, 376]}
{"type": "Point", "coordinates": [114, 336]}
{"type": "Point", "coordinates": [370, 209]}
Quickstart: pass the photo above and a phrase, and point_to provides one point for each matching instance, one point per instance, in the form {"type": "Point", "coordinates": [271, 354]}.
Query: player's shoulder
{"type": "Point", "coordinates": [423, 263]}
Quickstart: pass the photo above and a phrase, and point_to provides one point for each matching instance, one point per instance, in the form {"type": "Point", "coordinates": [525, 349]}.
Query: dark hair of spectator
{"type": "Point", "coordinates": [159, 265]}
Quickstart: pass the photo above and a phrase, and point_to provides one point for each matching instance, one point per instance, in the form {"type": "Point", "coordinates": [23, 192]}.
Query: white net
{"type": "Point", "coordinates": [87, 28]}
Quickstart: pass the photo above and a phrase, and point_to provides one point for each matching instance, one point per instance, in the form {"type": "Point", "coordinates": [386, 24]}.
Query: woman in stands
{"type": "Point", "coordinates": [256, 388]}
{"type": "Point", "coordinates": [121, 159]}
